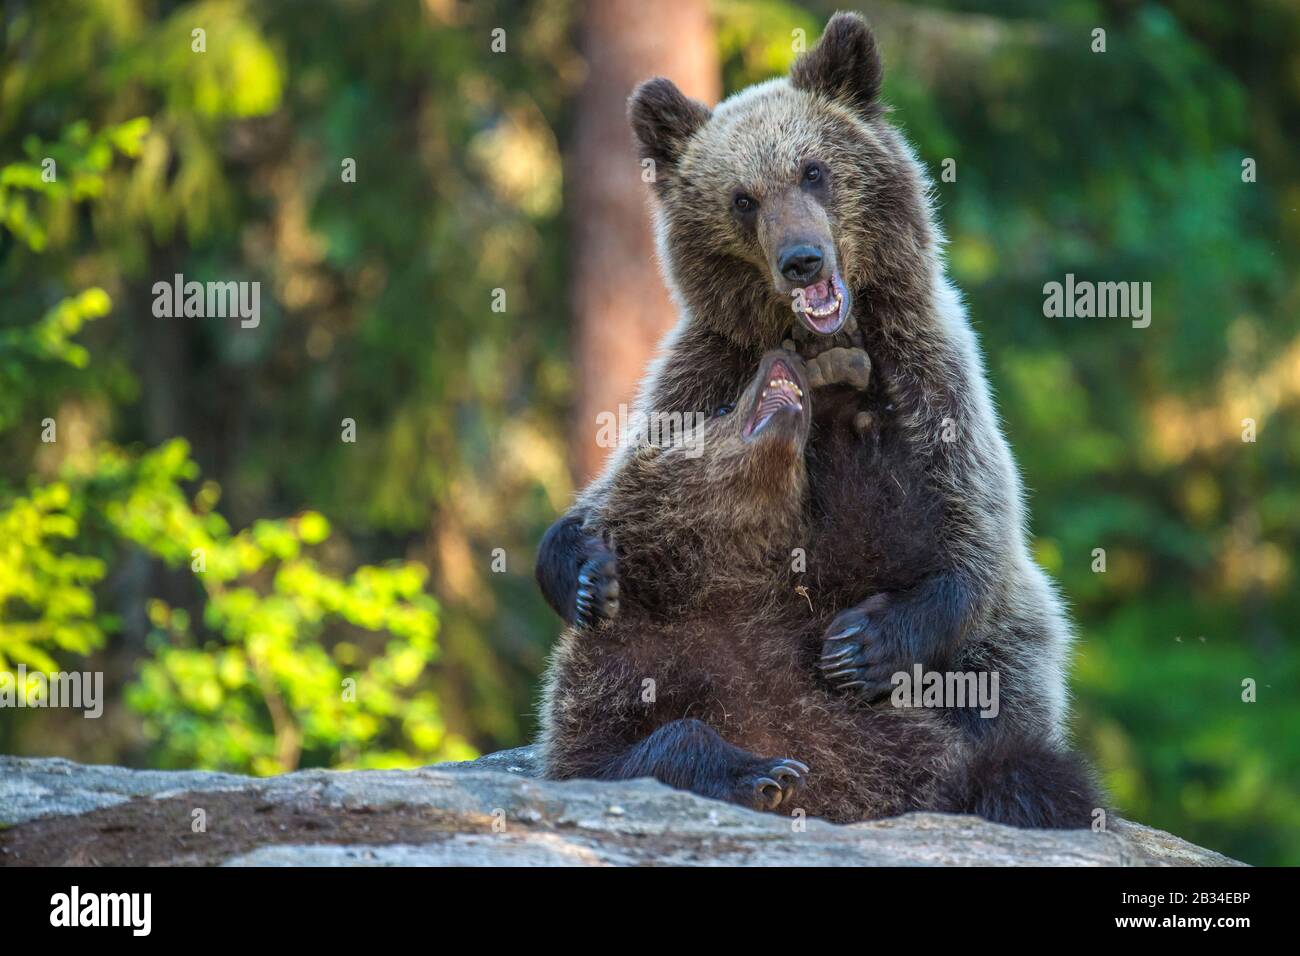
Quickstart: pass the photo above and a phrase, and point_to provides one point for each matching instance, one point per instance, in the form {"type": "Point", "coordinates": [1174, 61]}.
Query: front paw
{"type": "Point", "coordinates": [840, 366]}
{"type": "Point", "coordinates": [769, 783]}
{"type": "Point", "coordinates": [596, 598]}
{"type": "Point", "coordinates": [858, 656]}
{"type": "Point", "coordinates": [811, 344]}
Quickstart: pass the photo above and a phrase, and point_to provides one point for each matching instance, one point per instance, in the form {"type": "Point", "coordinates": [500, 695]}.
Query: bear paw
{"type": "Point", "coordinates": [809, 345]}
{"type": "Point", "coordinates": [840, 366]}
{"type": "Point", "coordinates": [597, 595]}
{"type": "Point", "coordinates": [770, 783]}
{"type": "Point", "coordinates": [856, 655]}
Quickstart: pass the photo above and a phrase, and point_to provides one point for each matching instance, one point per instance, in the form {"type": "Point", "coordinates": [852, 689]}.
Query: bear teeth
{"type": "Point", "coordinates": [783, 383]}
{"type": "Point", "coordinates": [830, 309]}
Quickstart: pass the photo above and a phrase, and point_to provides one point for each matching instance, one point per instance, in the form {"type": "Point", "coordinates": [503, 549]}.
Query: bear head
{"type": "Point", "coordinates": [791, 199]}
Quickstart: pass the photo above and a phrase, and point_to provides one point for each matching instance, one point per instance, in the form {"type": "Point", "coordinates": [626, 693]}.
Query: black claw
{"type": "Point", "coordinates": [847, 632]}
{"type": "Point", "coordinates": [835, 664]}
{"type": "Point", "coordinates": [846, 672]}
{"type": "Point", "coordinates": [596, 597]}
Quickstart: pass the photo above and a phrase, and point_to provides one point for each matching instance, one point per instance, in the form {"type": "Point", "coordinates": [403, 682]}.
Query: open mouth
{"type": "Point", "coordinates": [781, 394]}
{"type": "Point", "coordinates": [822, 305]}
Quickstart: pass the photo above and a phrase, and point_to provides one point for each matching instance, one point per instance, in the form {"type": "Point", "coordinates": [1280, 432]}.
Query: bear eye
{"type": "Point", "coordinates": [724, 410]}
{"type": "Point", "coordinates": [744, 204]}
{"type": "Point", "coordinates": [813, 174]}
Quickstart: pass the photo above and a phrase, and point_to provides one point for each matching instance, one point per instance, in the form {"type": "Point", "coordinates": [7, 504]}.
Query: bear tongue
{"type": "Point", "coordinates": [818, 296]}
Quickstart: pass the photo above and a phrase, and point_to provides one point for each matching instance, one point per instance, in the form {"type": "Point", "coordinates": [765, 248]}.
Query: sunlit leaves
{"type": "Point", "coordinates": [247, 682]}
{"type": "Point", "coordinates": [46, 602]}
{"type": "Point", "coordinates": [70, 170]}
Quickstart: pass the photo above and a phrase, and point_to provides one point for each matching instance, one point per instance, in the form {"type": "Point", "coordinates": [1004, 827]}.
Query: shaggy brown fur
{"type": "Point", "coordinates": [936, 524]}
{"type": "Point", "coordinates": [711, 618]}
{"type": "Point", "coordinates": [915, 527]}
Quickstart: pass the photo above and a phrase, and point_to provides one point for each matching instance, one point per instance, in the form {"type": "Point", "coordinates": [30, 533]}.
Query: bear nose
{"type": "Point", "coordinates": [800, 263]}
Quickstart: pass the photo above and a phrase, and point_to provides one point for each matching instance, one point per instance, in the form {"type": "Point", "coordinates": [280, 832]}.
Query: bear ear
{"type": "Point", "coordinates": [844, 65]}
{"type": "Point", "coordinates": [663, 118]}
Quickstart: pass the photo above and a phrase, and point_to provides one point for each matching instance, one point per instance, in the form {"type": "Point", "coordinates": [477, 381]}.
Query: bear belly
{"type": "Point", "coordinates": [616, 687]}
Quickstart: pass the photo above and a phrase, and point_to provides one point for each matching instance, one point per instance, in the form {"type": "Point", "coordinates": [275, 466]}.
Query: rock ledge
{"type": "Point", "coordinates": [489, 812]}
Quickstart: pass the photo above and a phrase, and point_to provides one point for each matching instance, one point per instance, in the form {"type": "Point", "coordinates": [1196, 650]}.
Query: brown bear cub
{"type": "Point", "coordinates": [706, 679]}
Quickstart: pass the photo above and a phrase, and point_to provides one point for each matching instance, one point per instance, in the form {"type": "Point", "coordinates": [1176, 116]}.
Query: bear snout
{"type": "Point", "coordinates": [800, 263]}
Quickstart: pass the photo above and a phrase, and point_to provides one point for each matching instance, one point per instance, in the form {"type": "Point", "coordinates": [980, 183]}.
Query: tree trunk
{"type": "Point", "coordinates": [620, 305]}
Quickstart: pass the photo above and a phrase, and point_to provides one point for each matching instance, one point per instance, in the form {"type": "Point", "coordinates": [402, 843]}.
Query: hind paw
{"type": "Point", "coordinates": [771, 784]}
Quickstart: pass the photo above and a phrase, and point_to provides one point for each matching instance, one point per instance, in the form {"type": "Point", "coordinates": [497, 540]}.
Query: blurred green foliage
{"type": "Point", "coordinates": [206, 702]}
{"type": "Point", "coordinates": [252, 687]}
{"type": "Point", "coordinates": [1124, 165]}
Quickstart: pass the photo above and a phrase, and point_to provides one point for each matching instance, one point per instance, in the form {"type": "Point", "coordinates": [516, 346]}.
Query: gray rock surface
{"type": "Point", "coordinates": [32, 787]}
{"type": "Point", "coordinates": [490, 812]}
